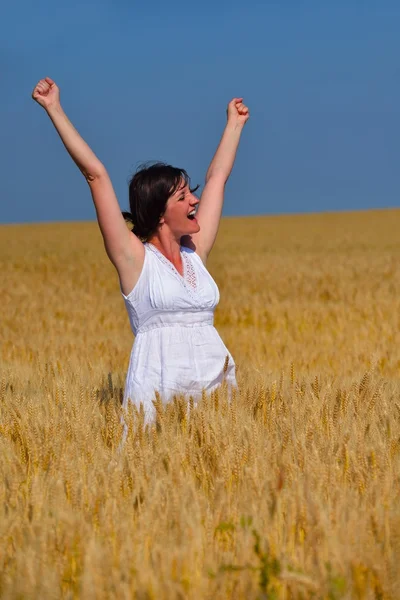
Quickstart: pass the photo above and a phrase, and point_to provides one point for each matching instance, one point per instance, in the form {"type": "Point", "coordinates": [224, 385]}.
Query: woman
{"type": "Point", "coordinates": [169, 294]}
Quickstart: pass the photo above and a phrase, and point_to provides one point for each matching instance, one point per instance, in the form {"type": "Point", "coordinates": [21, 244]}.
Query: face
{"type": "Point", "coordinates": [180, 212]}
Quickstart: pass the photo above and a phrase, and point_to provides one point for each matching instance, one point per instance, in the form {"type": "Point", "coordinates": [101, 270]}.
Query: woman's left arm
{"type": "Point", "coordinates": [212, 198]}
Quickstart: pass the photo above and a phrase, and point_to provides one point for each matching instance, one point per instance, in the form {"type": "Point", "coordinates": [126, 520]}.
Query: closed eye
{"type": "Point", "coordinates": [191, 190]}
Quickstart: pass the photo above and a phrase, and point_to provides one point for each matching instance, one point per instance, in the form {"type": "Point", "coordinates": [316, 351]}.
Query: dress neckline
{"type": "Point", "coordinates": [188, 279]}
{"type": "Point", "coordinates": [166, 260]}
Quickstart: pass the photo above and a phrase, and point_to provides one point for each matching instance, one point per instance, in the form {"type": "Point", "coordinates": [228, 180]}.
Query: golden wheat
{"type": "Point", "coordinates": [288, 490]}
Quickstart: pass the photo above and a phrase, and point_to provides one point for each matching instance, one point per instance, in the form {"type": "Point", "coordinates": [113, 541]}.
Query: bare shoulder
{"type": "Point", "coordinates": [130, 265]}
{"type": "Point", "coordinates": [190, 241]}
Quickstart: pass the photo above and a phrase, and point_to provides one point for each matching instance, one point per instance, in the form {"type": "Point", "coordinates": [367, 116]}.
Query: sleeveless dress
{"type": "Point", "coordinates": [177, 349]}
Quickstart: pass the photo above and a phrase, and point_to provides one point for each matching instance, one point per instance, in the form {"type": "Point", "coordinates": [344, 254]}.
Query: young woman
{"type": "Point", "coordinates": [169, 294]}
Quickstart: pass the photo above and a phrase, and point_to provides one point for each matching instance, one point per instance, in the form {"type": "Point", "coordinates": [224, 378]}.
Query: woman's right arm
{"type": "Point", "coordinates": [124, 249]}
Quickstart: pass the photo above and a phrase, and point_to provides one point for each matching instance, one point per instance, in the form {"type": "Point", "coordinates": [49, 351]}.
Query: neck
{"type": "Point", "coordinates": [167, 244]}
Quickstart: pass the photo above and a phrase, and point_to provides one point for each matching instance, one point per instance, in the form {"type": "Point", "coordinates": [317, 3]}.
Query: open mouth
{"type": "Point", "coordinates": [192, 214]}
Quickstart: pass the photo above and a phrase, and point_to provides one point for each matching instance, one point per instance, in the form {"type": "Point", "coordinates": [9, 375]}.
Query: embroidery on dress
{"type": "Point", "coordinates": [188, 271]}
{"type": "Point", "coordinates": [189, 279]}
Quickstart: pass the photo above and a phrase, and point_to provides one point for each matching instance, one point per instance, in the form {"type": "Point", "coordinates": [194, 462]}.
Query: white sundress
{"type": "Point", "coordinates": [177, 349]}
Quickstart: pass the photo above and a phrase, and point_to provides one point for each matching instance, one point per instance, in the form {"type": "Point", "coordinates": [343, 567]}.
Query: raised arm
{"type": "Point", "coordinates": [124, 249]}
{"type": "Point", "coordinates": [212, 198]}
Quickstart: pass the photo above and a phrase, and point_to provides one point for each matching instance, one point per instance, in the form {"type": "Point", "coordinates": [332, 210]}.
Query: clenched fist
{"type": "Point", "coordinates": [46, 93]}
{"type": "Point", "coordinates": [237, 112]}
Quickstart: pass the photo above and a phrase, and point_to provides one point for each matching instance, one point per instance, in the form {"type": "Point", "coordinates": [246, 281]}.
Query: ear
{"type": "Point", "coordinates": [162, 220]}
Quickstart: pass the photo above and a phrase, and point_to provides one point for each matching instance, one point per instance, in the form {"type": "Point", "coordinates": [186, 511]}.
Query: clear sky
{"type": "Point", "coordinates": [151, 80]}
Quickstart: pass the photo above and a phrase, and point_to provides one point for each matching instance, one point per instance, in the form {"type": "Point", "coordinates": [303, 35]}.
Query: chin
{"type": "Point", "coordinates": [196, 227]}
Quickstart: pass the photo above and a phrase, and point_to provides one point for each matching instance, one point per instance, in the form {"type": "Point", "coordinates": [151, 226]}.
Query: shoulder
{"type": "Point", "coordinates": [193, 255]}
{"type": "Point", "coordinates": [134, 285]}
{"type": "Point", "coordinates": [190, 247]}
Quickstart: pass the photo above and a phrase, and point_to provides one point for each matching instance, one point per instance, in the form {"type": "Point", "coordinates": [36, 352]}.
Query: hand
{"type": "Point", "coordinates": [237, 112]}
{"type": "Point", "coordinates": [46, 93]}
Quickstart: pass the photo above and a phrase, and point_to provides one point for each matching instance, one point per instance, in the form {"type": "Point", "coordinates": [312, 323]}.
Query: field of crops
{"type": "Point", "coordinates": [291, 490]}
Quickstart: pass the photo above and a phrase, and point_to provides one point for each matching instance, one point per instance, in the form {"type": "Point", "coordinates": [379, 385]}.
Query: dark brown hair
{"type": "Point", "coordinates": [149, 190]}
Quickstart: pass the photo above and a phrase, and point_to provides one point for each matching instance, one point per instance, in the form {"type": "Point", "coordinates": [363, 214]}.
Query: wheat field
{"type": "Point", "coordinates": [291, 490]}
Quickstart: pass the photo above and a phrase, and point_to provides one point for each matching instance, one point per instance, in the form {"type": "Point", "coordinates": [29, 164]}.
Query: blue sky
{"type": "Point", "coordinates": [151, 80]}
